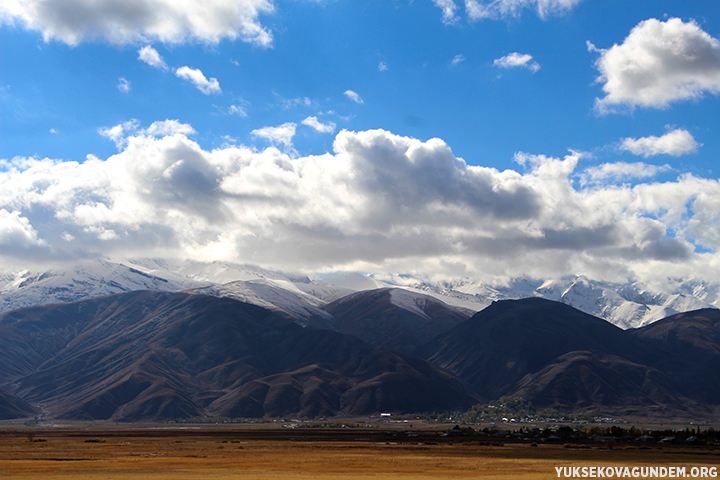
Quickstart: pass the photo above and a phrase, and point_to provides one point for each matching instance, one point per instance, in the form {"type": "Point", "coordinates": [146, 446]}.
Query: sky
{"type": "Point", "coordinates": [482, 139]}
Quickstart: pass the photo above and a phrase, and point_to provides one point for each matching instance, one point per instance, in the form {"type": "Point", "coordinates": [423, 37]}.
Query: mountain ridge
{"type": "Point", "coordinates": [153, 355]}
{"type": "Point", "coordinates": [627, 305]}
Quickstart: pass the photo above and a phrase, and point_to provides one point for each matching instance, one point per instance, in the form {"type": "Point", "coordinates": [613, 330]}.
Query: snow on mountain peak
{"type": "Point", "coordinates": [627, 305]}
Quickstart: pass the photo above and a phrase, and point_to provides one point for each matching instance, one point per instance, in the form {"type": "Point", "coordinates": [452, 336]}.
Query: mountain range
{"type": "Point", "coordinates": [158, 355]}
{"type": "Point", "coordinates": [627, 305]}
{"type": "Point", "coordinates": [188, 339]}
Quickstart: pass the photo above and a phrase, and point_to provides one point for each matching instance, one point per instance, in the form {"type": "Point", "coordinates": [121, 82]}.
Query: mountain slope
{"type": "Point", "coordinates": [159, 355]}
{"type": "Point", "coordinates": [693, 340]}
{"type": "Point", "coordinates": [84, 280]}
{"type": "Point", "coordinates": [392, 317]}
{"type": "Point", "coordinates": [554, 355]}
{"type": "Point", "coordinates": [304, 308]}
{"type": "Point", "coordinates": [12, 406]}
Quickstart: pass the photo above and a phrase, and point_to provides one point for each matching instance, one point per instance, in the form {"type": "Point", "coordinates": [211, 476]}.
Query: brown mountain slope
{"type": "Point", "coordinates": [553, 355]}
{"type": "Point", "coordinates": [158, 355]}
{"type": "Point", "coordinates": [12, 406]}
{"type": "Point", "coordinates": [692, 343]}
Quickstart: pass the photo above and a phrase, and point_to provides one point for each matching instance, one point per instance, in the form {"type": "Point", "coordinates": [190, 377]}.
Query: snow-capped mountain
{"type": "Point", "coordinates": [629, 305]}
{"type": "Point", "coordinates": [84, 280]}
{"type": "Point", "coordinates": [281, 296]}
{"type": "Point", "coordinates": [104, 277]}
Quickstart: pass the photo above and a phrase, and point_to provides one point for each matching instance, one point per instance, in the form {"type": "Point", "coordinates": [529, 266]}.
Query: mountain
{"type": "Point", "coordinates": [393, 317]}
{"type": "Point", "coordinates": [84, 280]}
{"type": "Point", "coordinates": [693, 339]}
{"type": "Point", "coordinates": [696, 332]}
{"type": "Point", "coordinates": [152, 355]}
{"type": "Point", "coordinates": [12, 406]}
{"type": "Point", "coordinates": [627, 305]}
{"type": "Point", "coordinates": [501, 344]}
{"type": "Point", "coordinates": [553, 355]}
{"type": "Point", "coordinates": [306, 309]}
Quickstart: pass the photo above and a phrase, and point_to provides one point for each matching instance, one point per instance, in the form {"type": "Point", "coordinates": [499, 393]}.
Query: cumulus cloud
{"type": "Point", "coordinates": [318, 125]}
{"type": "Point", "coordinates": [477, 10]}
{"type": "Point", "coordinates": [377, 202]}
{"type": "Point", "coordinates": [515, 60]}
{"type": "Point", "coordinates": [353, 96]}
{"type": "Point", "coordinates": [151, 56]}
{"type": "Point", "coordinates": [457, 59]}
{"type": "Point", "coordinates": [124, 85]}
{"type": "Point", "coordinates": [282, 134]}
{"type": "Point", "coordinates": [676, 143]}
{"type": "Point", "coordinates": [657, 64]}
{"type": "Point", "coordinates": [122, 22]}
{"type": "Point", "coordinates": [195, 76]}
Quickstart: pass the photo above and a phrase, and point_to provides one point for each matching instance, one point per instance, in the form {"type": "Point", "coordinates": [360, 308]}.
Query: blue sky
{"type": "Point", "coordinates": [530, 97]}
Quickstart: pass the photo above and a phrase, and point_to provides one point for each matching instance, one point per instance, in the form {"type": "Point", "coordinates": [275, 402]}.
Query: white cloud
{"type": "Point", "coordinates": [658, 63]}
{"type": "Point", "coordinates": [515, 60]}
{"type": "Point", "coordinates": [195, 76]}
{"type": "Point", "coordinates": [16, 233]}
{"type": "Point", "coordinates": [448, 8]}
{"type": "Point", "coordinates": [239, 110]}
{"type": "Point", "coordinates": [353, 96]}
{"type": "Point", "coordinates": [458, 59]}
{"type": "Point", "coordinates": [382, 66]}
{"type": "Point", "coordinates": [319, 126]}
{"type": "Point", "coordinates": [377, 202]}
{"type": "Point", "coordinates": [151, 56]}
{"type": "Point", "coordinates": [167, 127]}
{"type": "Point", "coordinates": [477, 10]}
{"type": "Point", "coordinates": [122, 22]}
{"type": "Point", "coordinates": [621, 171]}
{"type": "Point", "coordinates": [676, 143]}
{"type": "Point", "coordinates": [288, 103]}
{"type": "Point", "coordinates": [277, 135]}
{"type": "Point", "coordinates": [120, 133]}
{"type": "Point", "coordinates": [124, 85]}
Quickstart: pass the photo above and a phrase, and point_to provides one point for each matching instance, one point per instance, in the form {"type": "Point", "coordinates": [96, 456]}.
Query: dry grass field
{"type": "Point", "coordinates": [352, 454]}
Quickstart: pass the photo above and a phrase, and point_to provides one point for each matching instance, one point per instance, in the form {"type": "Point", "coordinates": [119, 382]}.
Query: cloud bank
{"type": "Point", "coordinates": [379, 202]}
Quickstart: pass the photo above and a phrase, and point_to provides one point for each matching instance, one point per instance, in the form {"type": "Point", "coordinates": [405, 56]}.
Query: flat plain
{"type": "Point", "coordinates": [279, 453]}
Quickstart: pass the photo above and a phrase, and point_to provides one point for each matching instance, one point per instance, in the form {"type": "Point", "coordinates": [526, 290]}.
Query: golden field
{"type": "Point", "coordinates": [276, 453]}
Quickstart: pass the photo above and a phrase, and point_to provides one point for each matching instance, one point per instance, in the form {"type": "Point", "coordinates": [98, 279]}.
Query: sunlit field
{"type": "Point", "coordinates": [264, 453]}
